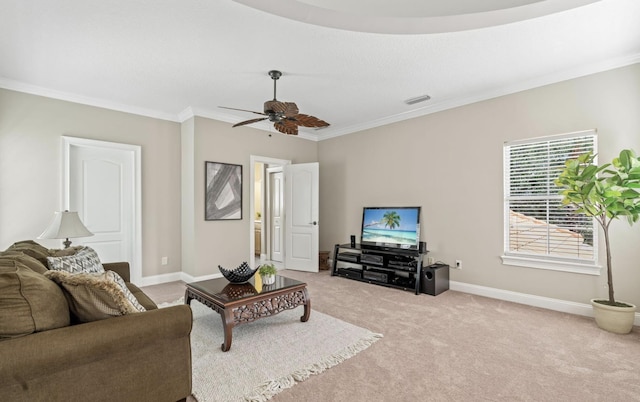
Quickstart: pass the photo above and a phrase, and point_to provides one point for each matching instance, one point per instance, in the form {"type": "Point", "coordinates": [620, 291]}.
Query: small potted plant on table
{"type": "Point", "coordinates": [606, 193]}
{"type": "Point", "coordinates": [268, 273]}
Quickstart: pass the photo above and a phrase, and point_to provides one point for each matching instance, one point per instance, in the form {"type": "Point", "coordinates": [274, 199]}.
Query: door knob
{"type": "Point", "coordinates": [314, 223]}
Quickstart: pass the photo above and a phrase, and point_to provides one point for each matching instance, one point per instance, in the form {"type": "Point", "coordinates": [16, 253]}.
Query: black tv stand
{"type": "Point", "coordinates": [395, 268]}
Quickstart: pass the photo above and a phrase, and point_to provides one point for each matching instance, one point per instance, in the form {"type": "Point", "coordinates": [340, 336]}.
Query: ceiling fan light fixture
{"type": "Point", "coordinates": [417, 99]}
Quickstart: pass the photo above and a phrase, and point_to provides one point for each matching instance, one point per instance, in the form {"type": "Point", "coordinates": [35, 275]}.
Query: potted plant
{"type": "Point", "coordinates": [606, 193]}
{"type": "Point", "coordinates": [268, 273]}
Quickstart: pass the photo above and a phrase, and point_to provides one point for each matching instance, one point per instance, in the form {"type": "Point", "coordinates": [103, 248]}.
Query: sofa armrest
{"type": "Point", "coordinates": [133, 357]}
{"type": "Point", "coordinates": [120, 268]}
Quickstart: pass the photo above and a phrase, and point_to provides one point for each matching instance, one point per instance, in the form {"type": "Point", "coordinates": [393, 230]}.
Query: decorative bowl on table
{"type": "Point", "coordinates": [239, 290]}
{"type": "Point", "coordinates": [239, 275]}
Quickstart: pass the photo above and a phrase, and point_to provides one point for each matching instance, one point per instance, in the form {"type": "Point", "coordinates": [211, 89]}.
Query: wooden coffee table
{"type": "Point", "coordinates": [244, 303]}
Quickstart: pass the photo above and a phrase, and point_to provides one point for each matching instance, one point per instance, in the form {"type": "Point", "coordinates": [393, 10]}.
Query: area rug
{"type": "Point", "coordinates": [268, 355]}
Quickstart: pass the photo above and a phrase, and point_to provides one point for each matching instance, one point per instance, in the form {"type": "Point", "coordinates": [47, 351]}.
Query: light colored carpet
{"type": "Point", "coordinates": [458, 347]}
{"type": "Point", "coordinates": [268, 355]}
{"type": "Point", "coordinates": [462, 347]}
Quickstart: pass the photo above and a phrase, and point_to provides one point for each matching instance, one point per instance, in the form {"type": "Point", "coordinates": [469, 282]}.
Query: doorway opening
{"type": "Point", "coordinates": [266, 223]}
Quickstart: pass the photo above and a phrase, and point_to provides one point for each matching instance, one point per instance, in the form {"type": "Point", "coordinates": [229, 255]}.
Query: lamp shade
{"type": "Point", "coordinates": [64, 225]}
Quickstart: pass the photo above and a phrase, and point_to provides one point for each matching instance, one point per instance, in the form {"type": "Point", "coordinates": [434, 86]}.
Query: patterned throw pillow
{"type": "Point", "coordinates": [94, 297]}
{"type": "Point", "coordinates": [85, 260]}
{"type": "Point", "coordinates": [125, 290]}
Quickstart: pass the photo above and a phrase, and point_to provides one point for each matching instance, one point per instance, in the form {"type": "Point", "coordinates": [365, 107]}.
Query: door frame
{"type": "Point", "coordinates": [136, 224]}
{"type": "Point", "coordinates": [253, 159]}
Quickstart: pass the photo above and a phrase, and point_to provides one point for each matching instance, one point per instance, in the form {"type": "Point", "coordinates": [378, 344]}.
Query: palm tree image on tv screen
{"type": "Point", "coordinates": [398, 226]}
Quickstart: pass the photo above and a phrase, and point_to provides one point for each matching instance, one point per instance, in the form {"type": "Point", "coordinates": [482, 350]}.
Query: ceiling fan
{"type": "Point", "coordinates": [284, 115]}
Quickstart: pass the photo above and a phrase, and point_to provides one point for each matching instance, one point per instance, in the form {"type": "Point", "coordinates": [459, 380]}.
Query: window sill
{"type": "Point", "coordinates": [573, 267]}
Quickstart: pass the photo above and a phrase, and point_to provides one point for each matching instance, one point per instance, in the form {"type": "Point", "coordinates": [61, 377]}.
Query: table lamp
{"type": "Point", "coordinates": [65, 225]}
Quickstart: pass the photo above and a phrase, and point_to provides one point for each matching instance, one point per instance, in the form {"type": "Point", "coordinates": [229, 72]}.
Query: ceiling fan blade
{"type": "Point", "coordinates": [305, 120]}
{"type": "Point", "coordinates": [241, 110]}
{"type": "Point", "coordinates": [288, 109]}
{"type": "Point", "coordinates": [243, 123]}
{"type": "Point", "coordinates": [286, 127]}
{"type": "Point", "coordinates": [291, 109]}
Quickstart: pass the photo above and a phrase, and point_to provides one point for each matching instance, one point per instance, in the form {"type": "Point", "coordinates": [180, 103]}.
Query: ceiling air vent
{"type": "Point", "coordinates": [417, 99]}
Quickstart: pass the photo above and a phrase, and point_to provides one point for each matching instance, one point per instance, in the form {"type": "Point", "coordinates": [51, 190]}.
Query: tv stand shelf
{"type": "Point", "coordinates": [400, 269]}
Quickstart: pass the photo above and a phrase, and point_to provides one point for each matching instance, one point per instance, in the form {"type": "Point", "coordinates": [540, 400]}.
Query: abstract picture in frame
{"type": "Point", "coordinates": [223, 191]}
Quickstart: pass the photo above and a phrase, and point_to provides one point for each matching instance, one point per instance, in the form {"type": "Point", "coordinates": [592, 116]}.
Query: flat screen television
{"type": "Point", "coordinates": [388, 228]}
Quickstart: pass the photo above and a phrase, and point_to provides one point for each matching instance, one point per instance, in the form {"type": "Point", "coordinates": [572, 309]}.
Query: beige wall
{"type": "Point", "coordinates": [450, 163]}
{"type": "Point", "coordinates": [31, 128]}
{"type": "Point", "coordinates": [173, 157]}
{"type": "Point", "coordinates": [226, 243]}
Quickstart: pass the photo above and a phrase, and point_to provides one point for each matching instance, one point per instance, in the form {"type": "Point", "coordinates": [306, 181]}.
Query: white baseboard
{"type": "Point", "coordinates": [507, 295]}
{"type": "Point", "coordinates": [158, 279]}
{"type": "Point", "coordinates": [189, 278]}
{"type": "Point", "coordinates": [530, 300]}
{"type": "Point", "coordinates": [175, 276]}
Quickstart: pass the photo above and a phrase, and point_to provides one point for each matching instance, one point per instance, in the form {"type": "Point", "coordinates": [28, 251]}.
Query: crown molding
{"type": "Point", "coordinates": [330, 132]}
{"type": "Point", "coordinates": [186, 114]}
{"type": "Point", "coordinates": [84, 100]}
{"type": "Point", "coordinates": [537, 82]}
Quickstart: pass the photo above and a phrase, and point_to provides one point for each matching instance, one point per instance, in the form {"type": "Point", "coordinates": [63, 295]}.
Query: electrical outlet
{"type": "Point", "coordinates": [164, 261]}
{"type": "Point", "coordinates": [458, 264]}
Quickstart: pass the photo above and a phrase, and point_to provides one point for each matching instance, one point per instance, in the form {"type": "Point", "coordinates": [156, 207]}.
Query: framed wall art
{"type": "Point", "coordinates": [223, 191]}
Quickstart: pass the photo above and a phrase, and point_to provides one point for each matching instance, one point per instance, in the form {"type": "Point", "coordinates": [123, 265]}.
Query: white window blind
{"type": "Point", "coordinates": [537, 225]}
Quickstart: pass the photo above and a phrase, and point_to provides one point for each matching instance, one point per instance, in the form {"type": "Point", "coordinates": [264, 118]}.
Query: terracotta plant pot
{"type": "Point", "coordinates": [614, 319]}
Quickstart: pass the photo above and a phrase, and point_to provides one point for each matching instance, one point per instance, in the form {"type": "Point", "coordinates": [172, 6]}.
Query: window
{"type": "Point", "coordinates": [539, 231]}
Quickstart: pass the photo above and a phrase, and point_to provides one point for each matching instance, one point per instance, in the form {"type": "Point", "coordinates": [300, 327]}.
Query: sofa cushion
{"type": "Point", "coordinates": [84, 260]}
{"type": "Point", "coordinates": [94, 297]}
{"type": "Point", "coordinates": [39, 252]}
{"type": "Point", "coordinates": [29, 302]}
{"type": "Point", "coordinates": [25, 259]}
{"type": "Point", "coordinates": [32, 249]}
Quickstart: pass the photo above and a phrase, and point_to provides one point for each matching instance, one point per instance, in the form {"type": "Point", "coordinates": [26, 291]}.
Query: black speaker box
{"type": "Point", "coordinates": [434, 279]}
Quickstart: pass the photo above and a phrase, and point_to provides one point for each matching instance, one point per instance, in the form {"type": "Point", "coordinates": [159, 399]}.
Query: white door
{"type": "Point", "coordinates": [302, 234]}
{"type": "Point", "coordinates": [102, 188]}
{"type": "Point", "coordinates": [276, 212]}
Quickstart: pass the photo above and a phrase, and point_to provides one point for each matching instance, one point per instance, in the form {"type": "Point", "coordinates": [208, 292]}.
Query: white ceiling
{"type": "Point", "coordinates": [172, 59]}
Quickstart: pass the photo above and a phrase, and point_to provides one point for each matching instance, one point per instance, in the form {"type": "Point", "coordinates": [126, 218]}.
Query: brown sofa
{"type": "Point", "coordinates": [142, 356]}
